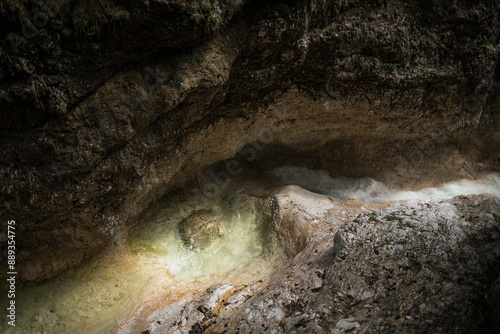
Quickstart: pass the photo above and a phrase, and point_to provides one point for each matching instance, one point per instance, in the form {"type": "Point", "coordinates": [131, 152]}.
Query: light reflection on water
{"type": "Point", "coordinates": [370, 190]}
{"type": "Point", "coordinates": [155, 262]}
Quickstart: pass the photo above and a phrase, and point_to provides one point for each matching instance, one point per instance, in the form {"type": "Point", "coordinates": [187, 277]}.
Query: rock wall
{"type": "Point", "coordinates": [96, 126]}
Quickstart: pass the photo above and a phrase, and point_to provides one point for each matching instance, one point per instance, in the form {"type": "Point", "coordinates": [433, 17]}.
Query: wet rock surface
{"type": "Point", "coordinates": [200, 229]}
{"type": "Point", "coordinates": [300, 216]}
{"type": "Point", "coordinates": [414, 267]}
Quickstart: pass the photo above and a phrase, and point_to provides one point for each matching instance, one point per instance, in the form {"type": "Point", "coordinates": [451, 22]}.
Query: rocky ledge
{"type": "Point", "coordinates": [414, 267]}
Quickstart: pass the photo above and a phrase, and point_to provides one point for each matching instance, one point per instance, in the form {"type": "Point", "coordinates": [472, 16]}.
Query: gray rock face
{"type": "Point", "coordinates": [416, 267]}
{"type": "Point", "coordinates": [300, 216]}
{"type": "Point", "coordinates": [200, 229]}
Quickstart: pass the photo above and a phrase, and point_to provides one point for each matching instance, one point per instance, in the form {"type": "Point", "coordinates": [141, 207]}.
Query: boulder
{"type": "Point", "coordinates": [200, 229]}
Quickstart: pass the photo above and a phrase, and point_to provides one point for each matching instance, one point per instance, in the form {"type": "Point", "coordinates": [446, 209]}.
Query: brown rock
{"type": "Point", "coordinates": [200, 229]}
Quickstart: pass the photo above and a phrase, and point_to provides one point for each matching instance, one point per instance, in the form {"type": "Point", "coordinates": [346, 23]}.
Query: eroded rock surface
{"type": "Point", "coordinates": [300, 216]}
{"type": "Point", "coordinates": [200, 228]}
{"type": "Point", "coordinates": [415, 267]}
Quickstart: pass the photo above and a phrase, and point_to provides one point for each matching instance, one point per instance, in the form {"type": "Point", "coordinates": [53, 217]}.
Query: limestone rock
{"type": "Point", "coordinates": [415, 267]}
{"type": "Point", "coordinates": [346, 325]}
{"type": "Point", "coordinates": [300, 216]}
{"type": "Point", "coordinates": [200, 229]}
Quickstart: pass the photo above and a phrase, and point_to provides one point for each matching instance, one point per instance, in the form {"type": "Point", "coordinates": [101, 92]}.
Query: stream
{"type": "Point", "coordinates": [160, 262]}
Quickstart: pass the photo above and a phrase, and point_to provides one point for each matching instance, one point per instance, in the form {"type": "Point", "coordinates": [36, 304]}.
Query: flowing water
{"type": "Point", "coordinates": [369, 190]}
{"type": "Point", "coordinates": [155, 262]}
{"type": "Point", "coordinates": [158, 260]}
